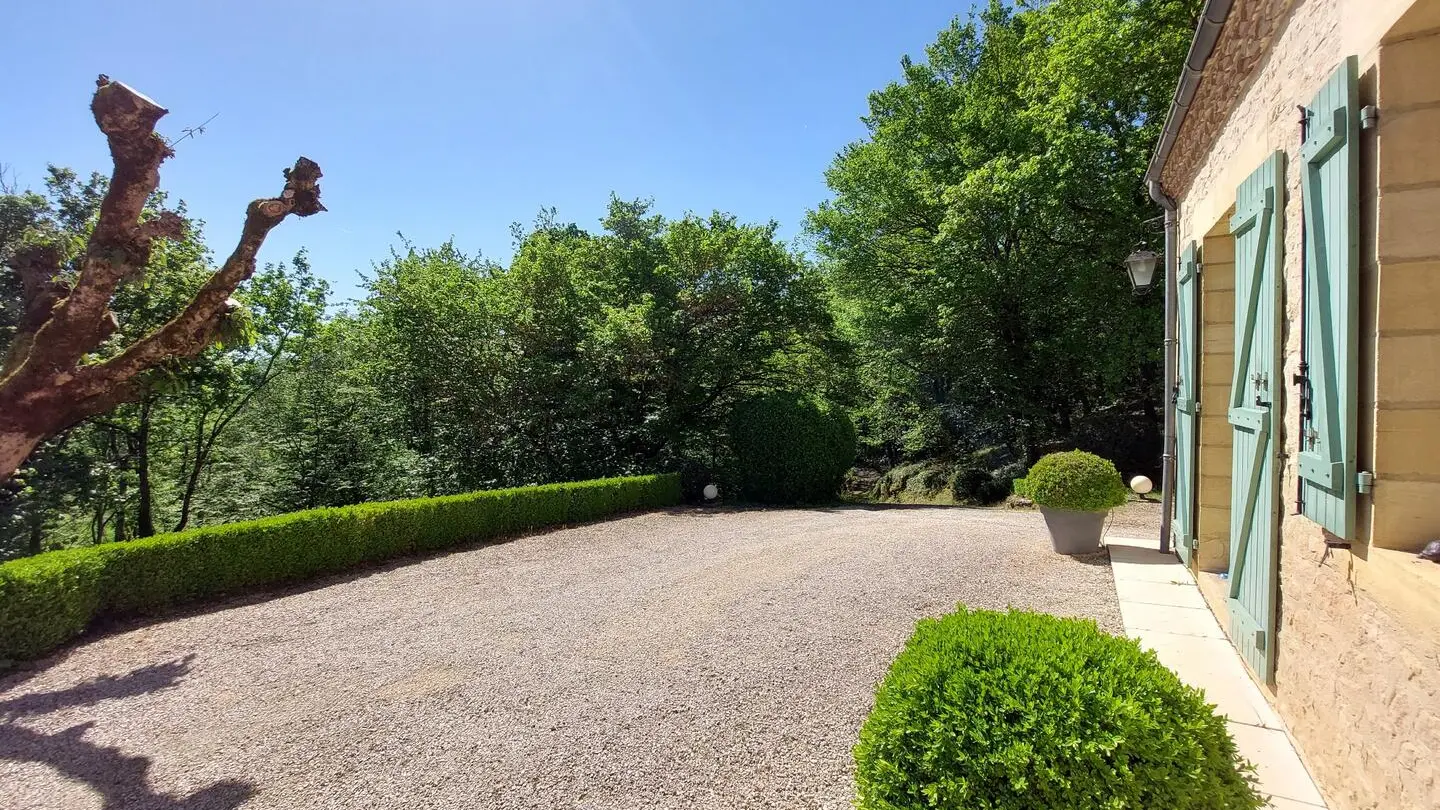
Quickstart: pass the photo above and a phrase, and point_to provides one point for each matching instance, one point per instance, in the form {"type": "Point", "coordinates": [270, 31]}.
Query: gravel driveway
{"type": "Point", "coordinates": [681, 659]}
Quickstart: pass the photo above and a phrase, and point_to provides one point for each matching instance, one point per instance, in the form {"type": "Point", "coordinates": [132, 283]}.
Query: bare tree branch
{"type": "Point", "coordinates": [191, 331]}
{"type": "Point", "coordinates": [118, 247]}
{"type": "Point", "coordinates": [46, 385]}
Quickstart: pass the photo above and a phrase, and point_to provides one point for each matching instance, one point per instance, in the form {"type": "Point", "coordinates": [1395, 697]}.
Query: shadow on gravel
{"type": "Point", "coordinates": [1099, 559]}
{"type": "Point", "coordinates": [140, 681]}
{"type": "Point", "coordinates": [122, 780]}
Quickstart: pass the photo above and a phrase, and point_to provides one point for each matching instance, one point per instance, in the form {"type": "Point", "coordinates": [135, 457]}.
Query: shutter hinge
{"type": "Point", "coordinates": [1369, 116]}
{"type": "Point", "coordinates": [1307, 396]}
{"type": "Point", "coordinates": [1364, 482]}
{"type": "Point", "coordinates": [1199, 268]}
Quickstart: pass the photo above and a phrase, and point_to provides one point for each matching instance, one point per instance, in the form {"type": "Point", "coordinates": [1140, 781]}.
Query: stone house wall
{"type": "Point", "coordinates": [1358, 656]}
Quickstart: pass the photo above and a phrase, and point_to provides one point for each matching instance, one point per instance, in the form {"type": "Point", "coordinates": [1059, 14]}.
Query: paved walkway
{"type": "Point", "coordinates": [1162, 607]}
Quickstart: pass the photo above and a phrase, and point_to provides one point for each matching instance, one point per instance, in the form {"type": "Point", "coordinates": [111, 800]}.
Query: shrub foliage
{"type": "Point", "coordinates": [52, 597]}
{"type": "Point", "coordinates": [1075, 480]}
{"type": "Point", "coordinates": [1027, 711]}
{"type": "Point", "coordinates": [790, 448]}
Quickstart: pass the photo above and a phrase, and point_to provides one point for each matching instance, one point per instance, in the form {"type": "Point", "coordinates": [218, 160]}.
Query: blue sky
{"type": "Point", "coordinates": [440, 119]}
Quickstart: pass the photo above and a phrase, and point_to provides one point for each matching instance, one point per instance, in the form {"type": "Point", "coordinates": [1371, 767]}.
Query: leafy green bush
{"type": "Point", "coordinates": [897, 480]}
{"type": "Point", "coordinates": [1074, 480]}
{"type": "Point", "coordinates": [1002, 481]}
{"type": "Point", "coordinates": [968, 485]}
{"type": "Point", "coordinates": [49, 598]}
{"type": "Point", "coordinates": [790, 448]}
{"type": "Point", "coordinates": [1023, 711]}
{"type": "Point", "coordinates": [976, 479]}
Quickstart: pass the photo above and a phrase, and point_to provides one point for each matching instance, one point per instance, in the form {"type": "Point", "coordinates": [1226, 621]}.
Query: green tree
{"type": "Point", "coordinates": [430, 340]}
{"type": "Point", "coordinates": [591, 354]}
{"type": "Point", "coordinates": [974, 237]}
{"type": "Point", "coordinates": [322, 434]}
{"type": "Point", "coordinates": [113, 448]}
{"type": "Point", "coordinates": [284, 307]}
{"type": "Point", "coordinates": [676, 322]}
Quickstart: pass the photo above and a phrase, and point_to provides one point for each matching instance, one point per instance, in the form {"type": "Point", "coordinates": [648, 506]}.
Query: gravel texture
{"type": "Point", "coordinates": [680, 659]}
{"type": "Point", "coordinates": [1137, 519]}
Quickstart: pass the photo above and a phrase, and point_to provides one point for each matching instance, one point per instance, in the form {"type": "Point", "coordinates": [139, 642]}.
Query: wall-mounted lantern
{"type": "Point", "coordinates": [1140, 265]}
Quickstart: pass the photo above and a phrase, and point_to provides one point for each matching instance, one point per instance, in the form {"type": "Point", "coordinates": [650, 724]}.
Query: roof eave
{"type": "Point", "coordinates": [1212, 20]}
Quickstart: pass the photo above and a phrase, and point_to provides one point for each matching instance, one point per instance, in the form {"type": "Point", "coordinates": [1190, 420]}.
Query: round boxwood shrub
{"type": "Point", "coordinates": [1027, 711]}
{"type": "Point", "coordinates": [790, 448]}
{"type": "Point", "coordinates": [1074, 480]}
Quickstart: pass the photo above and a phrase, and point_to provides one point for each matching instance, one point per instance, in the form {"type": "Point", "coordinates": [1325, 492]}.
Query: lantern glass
{"type": "Point", "coordinates": [1141, 267]}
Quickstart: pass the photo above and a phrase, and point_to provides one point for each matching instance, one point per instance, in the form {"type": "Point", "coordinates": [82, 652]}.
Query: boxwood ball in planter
{"type": "Point", "coordinates": [1075, 490]}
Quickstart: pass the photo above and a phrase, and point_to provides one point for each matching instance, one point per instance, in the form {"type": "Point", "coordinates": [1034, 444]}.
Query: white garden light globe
{"type": "Point", "coordinates": [711, 492]}
{"type": "Point", "coordinates": [1141, 484]}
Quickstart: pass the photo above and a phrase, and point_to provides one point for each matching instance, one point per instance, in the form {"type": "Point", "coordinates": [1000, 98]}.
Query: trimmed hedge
{"type": "Point", "coordinates": [1024, 711]}
{"type": "Point", "coordinates": [52, 597]}
{"type": "Point", "coordinates": [791, 448]}
{"type": "Point", "coordinates": [1074, 480]}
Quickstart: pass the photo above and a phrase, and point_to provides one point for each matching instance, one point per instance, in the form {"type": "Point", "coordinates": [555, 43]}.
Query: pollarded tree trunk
{"type": "Point", "coordinates": [47, 384]}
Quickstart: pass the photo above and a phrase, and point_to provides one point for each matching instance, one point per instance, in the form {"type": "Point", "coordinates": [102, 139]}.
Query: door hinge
{"type": "Point", "coordinates": [1364, 482]}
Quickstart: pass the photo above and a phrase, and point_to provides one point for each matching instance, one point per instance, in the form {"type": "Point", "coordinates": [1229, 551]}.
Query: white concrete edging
{"type": "Point", "coordinates": [1162, 608]}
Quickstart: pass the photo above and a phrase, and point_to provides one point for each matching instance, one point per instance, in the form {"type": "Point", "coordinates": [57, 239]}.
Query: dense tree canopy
{"type": "Point", "coordinates": [975, 237]}
{"type": "Point", "coordinates": [627, 347]}
{"type": "Point", "coordinates": [967, 308]}
{"type": "Point", "coordinates": [589, 355]}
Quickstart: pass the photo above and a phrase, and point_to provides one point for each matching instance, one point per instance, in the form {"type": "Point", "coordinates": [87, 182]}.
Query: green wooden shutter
{"type": "Point", "coordinates": [1187, 401]}
{"type": "Point", "coordinates": [1330, 188]}
{"type": "Point", "coordinates": [1254, 419]}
